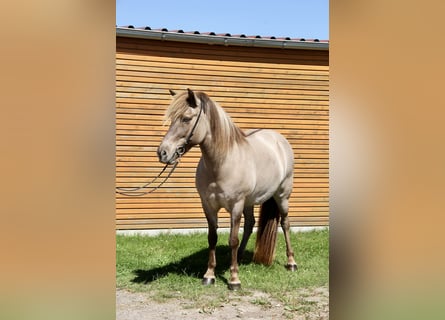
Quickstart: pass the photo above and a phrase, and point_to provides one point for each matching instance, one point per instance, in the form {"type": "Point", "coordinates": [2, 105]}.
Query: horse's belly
{"type": "Point", "coordinates": [261, 194]}
{"type": "Point", "coordinates": [219, 196]}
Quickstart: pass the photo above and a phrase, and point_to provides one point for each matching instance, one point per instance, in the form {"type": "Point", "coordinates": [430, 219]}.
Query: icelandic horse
{"type": "Point", "coordinates": [237, 170]}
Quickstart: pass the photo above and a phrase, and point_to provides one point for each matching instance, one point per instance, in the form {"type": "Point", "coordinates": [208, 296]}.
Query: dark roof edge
{"type": "Point", "coordinates": [220, 40]}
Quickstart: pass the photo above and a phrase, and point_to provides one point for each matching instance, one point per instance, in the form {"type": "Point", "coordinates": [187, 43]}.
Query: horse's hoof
{"type": "Point", "coordinates": [234, 286]}
{"type": "Point", "coordinates": [291, 267]}
{"type": "Point", "coordinates": [208, 281]}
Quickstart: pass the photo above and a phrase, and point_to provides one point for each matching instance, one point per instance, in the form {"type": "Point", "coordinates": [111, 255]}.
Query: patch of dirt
{"type": "Point", "coordinates": [310, 305]}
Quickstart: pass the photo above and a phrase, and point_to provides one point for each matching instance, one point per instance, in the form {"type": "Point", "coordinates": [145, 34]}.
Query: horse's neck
{"type": "Point", "coordinates": [214, 155]}
{"type": "Point", "coordinates": [210, 154]}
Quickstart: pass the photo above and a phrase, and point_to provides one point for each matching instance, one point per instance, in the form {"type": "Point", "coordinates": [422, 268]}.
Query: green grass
{"type": "Point", "coordinates": [172, 266]}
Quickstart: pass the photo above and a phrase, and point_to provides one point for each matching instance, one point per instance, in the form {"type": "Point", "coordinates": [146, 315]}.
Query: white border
{"type": "Point", "coordinates": [155, 232]}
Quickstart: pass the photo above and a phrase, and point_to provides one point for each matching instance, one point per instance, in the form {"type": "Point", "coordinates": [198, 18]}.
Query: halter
{"type": "Point", "coordinates": [179, 152]}
{"type": "Point", "coordinates": [181, 149]}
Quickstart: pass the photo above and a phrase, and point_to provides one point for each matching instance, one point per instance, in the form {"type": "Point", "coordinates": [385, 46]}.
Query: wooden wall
{"type": "Point", "coordinates": [282, 89]}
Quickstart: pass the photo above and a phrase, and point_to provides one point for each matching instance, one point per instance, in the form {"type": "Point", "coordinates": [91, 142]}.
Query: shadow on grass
{"type": "Point", "coordinates": [194, 265]}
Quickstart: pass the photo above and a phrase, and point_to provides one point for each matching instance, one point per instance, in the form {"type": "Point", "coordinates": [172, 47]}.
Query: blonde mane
{"type": "Point", "coordinates": [177, 107]}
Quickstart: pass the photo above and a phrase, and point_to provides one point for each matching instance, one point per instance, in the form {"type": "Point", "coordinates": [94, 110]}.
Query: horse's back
{"type": "Point", "coordinates": [274, 159]}
{"type": "Point", "coordinates": [271, 145]}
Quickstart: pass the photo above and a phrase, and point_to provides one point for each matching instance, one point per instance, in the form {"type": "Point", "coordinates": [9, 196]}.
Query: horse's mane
{"type": "Point", "coordinates": [225, 133]}
{"type": "Point", "coordinates": [177, 107]}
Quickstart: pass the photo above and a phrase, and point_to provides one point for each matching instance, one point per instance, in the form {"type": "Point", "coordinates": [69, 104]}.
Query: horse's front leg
{"type": "Point", "coordinates": [235, 220]}
{"type": "Point", "coordinates": [212, 237]}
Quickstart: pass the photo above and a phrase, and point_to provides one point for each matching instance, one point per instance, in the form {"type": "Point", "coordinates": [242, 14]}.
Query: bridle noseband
{"type": "Point", "coordinates": [179, 153]}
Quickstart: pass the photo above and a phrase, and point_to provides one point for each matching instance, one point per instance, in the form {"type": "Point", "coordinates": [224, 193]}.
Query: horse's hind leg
{"type": "Point", "coordinates": [235, 219]}
{"type": "Point", "coordinates": [283, 205]}
{"type": "Point", "coordinates": [249, 222]}
{"type": "Point", "coordinates": [212, 237]}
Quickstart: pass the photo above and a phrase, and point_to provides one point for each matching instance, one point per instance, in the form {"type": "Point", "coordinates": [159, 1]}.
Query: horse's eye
{"type": "Point", "coordinates": [186, 120]}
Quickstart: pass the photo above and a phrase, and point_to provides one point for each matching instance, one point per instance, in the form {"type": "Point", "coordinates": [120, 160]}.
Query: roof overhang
{"type": "Point", "coordinates": [220, 40]}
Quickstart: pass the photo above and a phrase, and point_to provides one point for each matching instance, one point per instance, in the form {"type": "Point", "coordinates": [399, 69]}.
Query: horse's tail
{"type": "Point", "coordinates": [267, 233]}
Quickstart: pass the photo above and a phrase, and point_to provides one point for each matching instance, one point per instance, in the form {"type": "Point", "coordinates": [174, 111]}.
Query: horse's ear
{"type": "Point", "coordinates": [172, 92]}
{"type": "Point", "coordinates": [191, 99]}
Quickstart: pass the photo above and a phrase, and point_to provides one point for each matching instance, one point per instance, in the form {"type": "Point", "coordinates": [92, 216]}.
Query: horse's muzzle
{"type": "Point", "coordinates": [165, 157]}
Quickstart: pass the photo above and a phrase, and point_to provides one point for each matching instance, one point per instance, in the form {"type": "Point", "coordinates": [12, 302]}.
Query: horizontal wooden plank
{"type": "Point", "coordinates": [177, 206]}
{"type": "Point", "coordinates": [168, 213]}
{"type": "Point", "coordinates": [206, 84]}
{"type": "Point", "coordinates": [154, 167]}
{"type": "Point", "coordinates": [159, 71]}
{"type": "Point", "coordinates": [281, 125]}
{"type": "Point", "coordinates": [202, 223]}
{"type": "Point", "coordinates": [298, 167]}
{"type": "Point", "coordinates": [221, 53]}
{"type": "Point", "coordinates": [202, 61]}
{"type": "Point", "coordinates": [145, 47]}
{"type": "Point", "coordinates": [194, 204]}
{"type": "Point", "coordinates": [268, 60]}
{"type": "Point", "coordinates": [261, 93]}
{"type": "Point", "coordinates": [153, 142]}
{"type": "Point", "coordinates": [157, 107]}
{"type": "Point", "coordinates": [139, 179]}
{"type": "Point", "coordinates": [203, 82]}
{"type": "Point", "coordinates": [297, 198]}
{"type": "Point", "coordinates": [162, 83]}
{"type": "Point", "coordinates": [190, 177]}
{"type": "Point", "coordinates": [240, 118]}
{"type": "Point", "coordinates": [151, 145]}
{"type": "Point", "coordinates": [197, 211]}
{"type": "Point", "coordinates": [180, 64]}
{"type": "Point", "coordinates": [189, 183]}
{"type": "Point", "coordinates": [139, 47]}
{"type": "Point", "coordinates": [222, 218]}
{"type": "Point", "coordinates": [287, 131]}
{"type": "Point", "coordinates": [167, 193]}
{"type": "Point", "coordinates": [150, 152]}
{"type": "Point", "coordinates": [157, 121]}
{"type": "Point", "coordinates": [157, 118]}
{"type": "Point", "coordinates": [155, 139]}
{"type": "Point", "coordinates": [148, 172]}
{"type": "Point", "coordinates": [293, 103]}
{"type": "Point", "coordinates": [149, 102]}
{"type": "Point", "coordinates": [206, 64]}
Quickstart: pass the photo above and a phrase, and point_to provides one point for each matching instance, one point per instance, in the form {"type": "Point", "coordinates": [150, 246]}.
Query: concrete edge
{"type": "Point", "coordinates": [156, 232]}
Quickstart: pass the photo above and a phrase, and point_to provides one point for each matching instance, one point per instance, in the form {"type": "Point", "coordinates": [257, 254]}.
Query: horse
{"type": "Point", "coordinates": [236, 171]}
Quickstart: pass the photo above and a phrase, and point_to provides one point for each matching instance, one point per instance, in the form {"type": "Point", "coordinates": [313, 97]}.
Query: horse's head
{"type": "Point", "coordinates": [186, 127]}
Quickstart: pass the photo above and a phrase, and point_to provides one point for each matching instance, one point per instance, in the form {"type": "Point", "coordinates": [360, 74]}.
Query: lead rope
{"type": "Point", "coordinates": [133, 192]}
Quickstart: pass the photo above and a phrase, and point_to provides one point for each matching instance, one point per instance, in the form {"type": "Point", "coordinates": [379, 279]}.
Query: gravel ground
{"type": "Point", "coordinates": [139, 306]}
